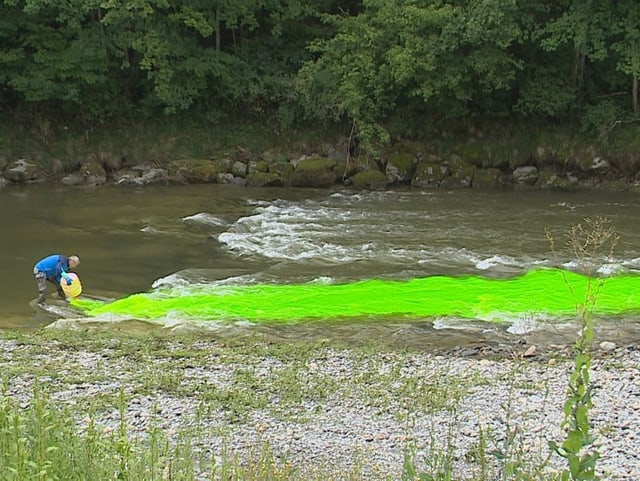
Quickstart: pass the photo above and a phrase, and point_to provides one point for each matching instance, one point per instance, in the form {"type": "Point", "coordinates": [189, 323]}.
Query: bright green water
{"type": "Point", "coordinates": [547, 292]}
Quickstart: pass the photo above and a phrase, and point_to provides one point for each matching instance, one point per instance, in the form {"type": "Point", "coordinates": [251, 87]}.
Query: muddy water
{"type": "Point", "coordinates": [134, 239]}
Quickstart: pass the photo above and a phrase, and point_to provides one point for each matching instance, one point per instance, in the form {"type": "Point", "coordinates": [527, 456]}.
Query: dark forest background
{"type": "Point", "coordinates": [380, 70]}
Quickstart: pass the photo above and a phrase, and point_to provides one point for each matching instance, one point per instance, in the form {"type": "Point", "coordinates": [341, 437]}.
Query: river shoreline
{"type": "Point", "coordinates": [321, 407]}
{"type": "Point", "coordinates": [494, 158]}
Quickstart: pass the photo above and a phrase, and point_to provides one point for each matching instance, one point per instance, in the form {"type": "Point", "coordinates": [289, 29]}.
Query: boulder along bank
{"type": "Point", "coordinates": [328, 165]}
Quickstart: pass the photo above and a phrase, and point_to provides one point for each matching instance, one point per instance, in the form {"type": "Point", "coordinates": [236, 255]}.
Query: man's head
{"type": "Point", "coordinates": [74, 261]}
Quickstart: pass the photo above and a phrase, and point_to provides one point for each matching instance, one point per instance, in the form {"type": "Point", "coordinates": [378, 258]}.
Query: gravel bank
{"type": "Point", "coordinates": [338, 410]}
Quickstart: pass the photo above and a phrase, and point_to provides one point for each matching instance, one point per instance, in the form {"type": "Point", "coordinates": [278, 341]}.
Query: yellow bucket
{"type": "Point", "coordinates": [74, 289]}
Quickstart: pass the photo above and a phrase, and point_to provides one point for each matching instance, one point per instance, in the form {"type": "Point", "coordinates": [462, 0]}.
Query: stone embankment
{"type": "Point", "coordinates": [332, 165]}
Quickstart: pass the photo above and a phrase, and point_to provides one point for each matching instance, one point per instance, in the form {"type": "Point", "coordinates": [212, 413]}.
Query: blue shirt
{"type": "Point", "coordinates": [53, 266]}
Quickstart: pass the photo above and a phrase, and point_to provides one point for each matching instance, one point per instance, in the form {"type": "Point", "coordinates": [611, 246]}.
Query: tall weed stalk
{"type": "Point", "coordinates": [589, 243]}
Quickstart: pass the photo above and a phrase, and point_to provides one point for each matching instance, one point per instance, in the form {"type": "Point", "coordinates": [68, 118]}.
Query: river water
{"type": "Point", "coordinates": [135, 239]}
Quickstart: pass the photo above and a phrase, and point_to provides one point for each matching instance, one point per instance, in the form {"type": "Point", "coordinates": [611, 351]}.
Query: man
{"type": "Point", "coordinates": [53, 268]}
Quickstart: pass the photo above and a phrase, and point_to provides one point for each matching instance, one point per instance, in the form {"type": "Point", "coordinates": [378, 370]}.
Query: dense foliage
{"type": "Point", "coordinates": [360, 61]}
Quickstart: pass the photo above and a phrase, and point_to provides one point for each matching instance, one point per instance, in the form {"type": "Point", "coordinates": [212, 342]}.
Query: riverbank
{"type": "Point", "coordinates": [491, 156]}
{"type": "Point", "coordinates": [315, 410]}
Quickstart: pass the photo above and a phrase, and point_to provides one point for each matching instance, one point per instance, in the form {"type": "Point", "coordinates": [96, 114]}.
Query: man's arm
{"type": "Point", "coordinates": [63, 264]}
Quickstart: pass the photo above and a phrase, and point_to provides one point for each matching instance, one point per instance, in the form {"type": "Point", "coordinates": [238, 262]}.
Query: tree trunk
{"type": "Point", "coordinates": [634, 94]}
{"type": "Point", "coordinates": [218, 29]}
{"type": "Point", "coordinates": [578, 70]}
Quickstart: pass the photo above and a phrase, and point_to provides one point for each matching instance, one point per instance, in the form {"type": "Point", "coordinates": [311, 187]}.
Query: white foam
{"type": "Point", "coordinates": [524, 324]}
{"type": "Point", "coordinates": [172, 280]}
{"type": "Point", "coordinates": [389, 228]}
{"type": "Point", "coordinates": [449, 323]}
{"type": "Point", "coordinates": [205, 218]}
{"type": "Point", "coordinates": [308, 230]}
{"type": "Point", "coordinates": [493, 261]}
{"type": "Point", "coordinates": [150, 230]}
{"type": "Point", "coordinates": [323, 280]}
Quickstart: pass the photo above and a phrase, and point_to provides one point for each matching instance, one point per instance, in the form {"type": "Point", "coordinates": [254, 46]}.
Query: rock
{"type": "Point", "coordinates": [154, 176]}
{"type": "Point", "coordinates": [263, 179]}
{"type": "Point", "coordinates": [462, 174]}
{"type": "Point", "coordinates": [239, 169]}
{"type": "Point", "coordinates": [314, 172]}
{"type": "Point", "coordinates": [93, 172]}
{"type": "Point", "coordinates": [20, 171]}
{"type": "Point", "coordinates": [399, 168]}
{"type": "Point", "coordinates": [469, 352]}
{"type": "Point", "coordinates": [525, 175]}
{"type": "Point", "coordinates": [74, 178]}
{"type": "Point", "coordinates": [372, 180]}
{"type": "Point", "coordinates": [283, 169]}
{"type": "Point", "coordinates": [598, 163]}
{"type": "Point", "coordinates": [607, 346]}
{"type": "Point", "coordinates": [196, 171]}
{"type": "Point", "coordinates": [429, 175]}
{"type": "Point", "coordinates": [141, 175]}
{"type": "Point", "coordinates": [223, 165]}
{"type": "Point", "coordinates": [547, 179]}
{"type": "Point", "coordinates": [225, 178]}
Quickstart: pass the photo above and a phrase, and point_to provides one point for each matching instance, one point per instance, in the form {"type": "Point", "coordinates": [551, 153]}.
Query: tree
{"type": "Point", "coordinates": [445, 58]}
{"type": "Point", "coordinates": [585, 26]}
{"type": "Point", "coordinates": [152, 56]}
{"type": "Point", "coordinates": [54, 54]}
{"type": "Point", "coordinates": [628, 45]}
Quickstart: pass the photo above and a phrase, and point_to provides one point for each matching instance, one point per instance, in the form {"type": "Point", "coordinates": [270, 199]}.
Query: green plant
{"type": "Point", "coordinates": [587, 242]}
{"type": "Point", "coordinates": [439, 462]}
{"type": "Point", "coordinates": [513, 460]}
{"type": "Point", "coordinates": [598, 120]}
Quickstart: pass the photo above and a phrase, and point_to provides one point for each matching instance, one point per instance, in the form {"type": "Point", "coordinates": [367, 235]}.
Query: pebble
{"type": "Point", "coordinates": [346, 430]}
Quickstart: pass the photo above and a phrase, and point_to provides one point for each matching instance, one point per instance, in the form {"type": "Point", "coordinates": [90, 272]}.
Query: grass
{"type": "Point", "coordinates": [499, 144]}
{"type": "Point", "coordinates": [99, 405]}
{"type": "Point", "coordinates": [156, 141]}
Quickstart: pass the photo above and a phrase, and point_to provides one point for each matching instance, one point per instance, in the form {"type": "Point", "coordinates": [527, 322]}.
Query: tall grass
{"type": "Point", "coordinates": [40, 440]}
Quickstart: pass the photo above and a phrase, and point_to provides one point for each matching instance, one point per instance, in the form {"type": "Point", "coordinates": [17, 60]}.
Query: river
{"type": "Point", "coordinates": [134, 239]}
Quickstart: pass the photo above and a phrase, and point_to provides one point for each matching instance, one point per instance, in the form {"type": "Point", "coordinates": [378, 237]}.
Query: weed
{"type": "Point", "coordinates": [588, 243]}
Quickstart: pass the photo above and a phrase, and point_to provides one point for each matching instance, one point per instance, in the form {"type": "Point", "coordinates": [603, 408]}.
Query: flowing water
{"type": "Point", "coordinates": [181, 238]}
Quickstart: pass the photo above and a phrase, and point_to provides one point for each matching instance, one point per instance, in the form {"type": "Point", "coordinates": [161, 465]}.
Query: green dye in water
{"type": "Point", "coordinates": [549, 292]}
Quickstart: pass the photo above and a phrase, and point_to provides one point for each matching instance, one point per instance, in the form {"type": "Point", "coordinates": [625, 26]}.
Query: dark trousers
{"type": "Point", "coordinates": [41, 280]}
